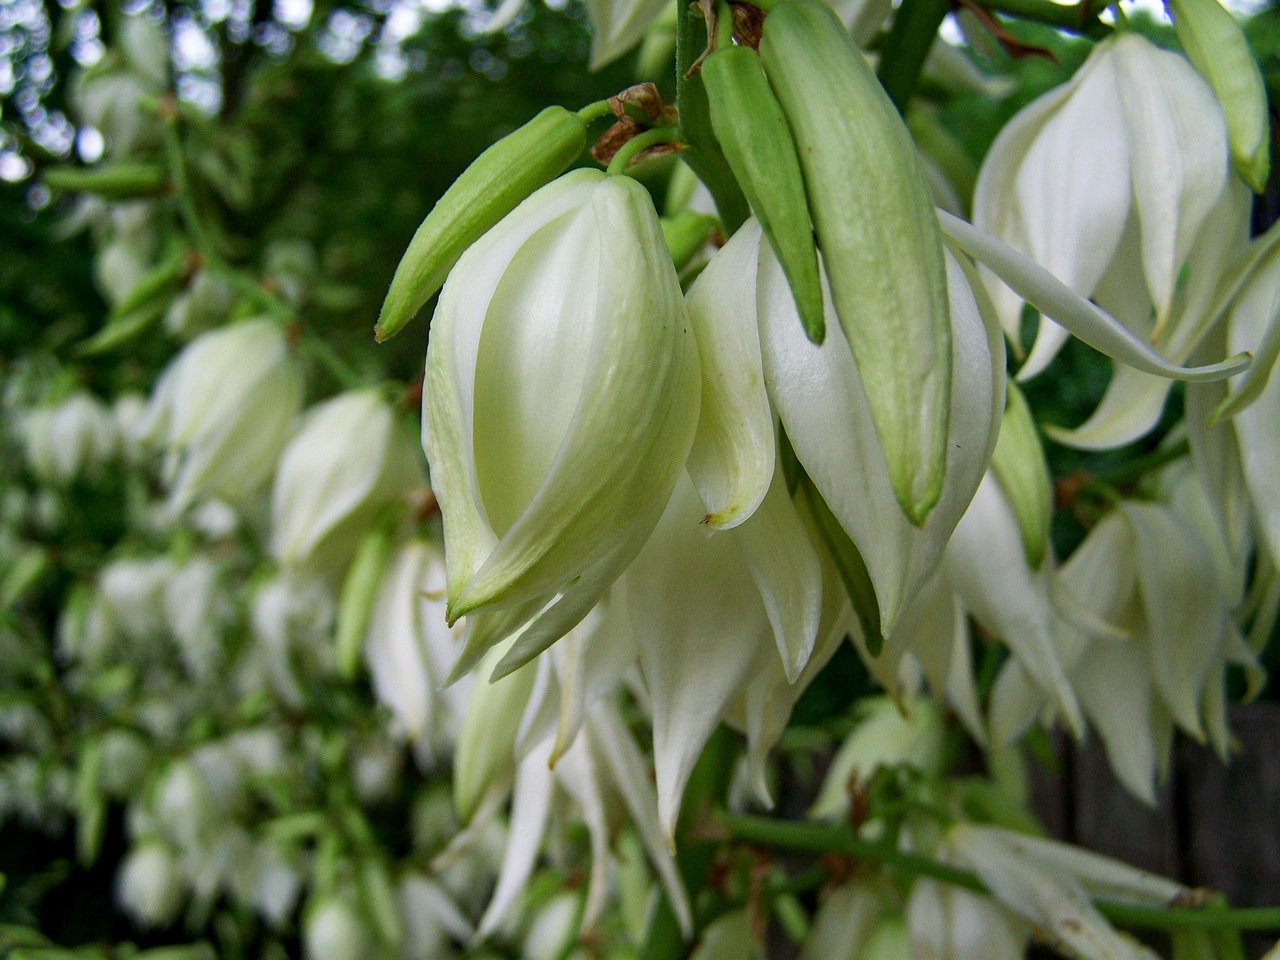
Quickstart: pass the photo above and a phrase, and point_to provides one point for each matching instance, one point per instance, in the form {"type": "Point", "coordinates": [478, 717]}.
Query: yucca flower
{"type": "Point", "coordinates": [560, 401]}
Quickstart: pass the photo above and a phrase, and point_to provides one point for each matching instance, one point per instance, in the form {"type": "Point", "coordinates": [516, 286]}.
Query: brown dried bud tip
{"type": "Point", "coordinates": [748, 22]}
{"type": "Point", "coordinates": [643, 104]}
{"type": "Point", "coordinates": [613, 140]}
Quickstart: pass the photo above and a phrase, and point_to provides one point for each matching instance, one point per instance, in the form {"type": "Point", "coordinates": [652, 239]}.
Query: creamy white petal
{"type": "Point", "coordinates": [819, 397]}
{"type": "Point", "coordinates": [732, 460]}
{"type": "Point", "coordinates": [1180, 159]}
{"type": "Point", "coordinates": [987, 566]}
{"type": "Point", "coordinates": [700, 628]}
{"type": "Point", "coordinates": [1085, 321]}
{"type": "Point", "coordinates": [632, 775]}
{"type": "Point", "coordinates": [1183, 606]}
{"type": "Point", "coordinates": [530, 805]}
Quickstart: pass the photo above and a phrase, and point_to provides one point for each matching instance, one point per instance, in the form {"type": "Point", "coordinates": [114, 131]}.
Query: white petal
{"type": "Point", "coordinates": [632, 776]}
{"type": "Point", "coordinates": [732, 459]}
{"type": "Point", "coordinates": [1183, 605]}
{"type": "Point", "coordinates": [819, 397]}
{"type": "Point", "coordinates": [530, 804]}
{"type": "Point", "coordinates": [1088, 323]}
{"type": "Point", "coordinates": [987, 565]}
{"type": "Point", "coordinates": [1180, 160]}
{"type": "Point", "coordinates": [700, 628]}
{"type": "Point", "coordinates": [785, 565]}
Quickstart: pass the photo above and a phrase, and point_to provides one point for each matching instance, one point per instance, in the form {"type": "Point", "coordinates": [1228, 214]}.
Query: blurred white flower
{"type": "Point", "coordinates": [68, 440]}
{"type": "Point", "coordinates": [150, 887]}
{"type": "Point", "coordinates": [1119, 183]}
{"type": "Point", "coordinates": [222, 411]}
{"type": "Point", "coordinates": [410, 648]}
{"type": "Point", "coordinates": [349, 459]}
{"type": "Point", "coordinates": [334, 930]}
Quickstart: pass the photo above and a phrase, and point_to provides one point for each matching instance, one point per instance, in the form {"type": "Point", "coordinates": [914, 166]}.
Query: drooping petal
{"type": "Point", "coordinates": [1085, 321]}
{"type": "Point", "coordinates": [782, 560]}
{"type": "Point", "coordinates": [732, 460]}
{"type": "Point", "coordinates": [818, 395]}
{"type": "Point", "coordinates": [1180, 159]}
{"type": "Point", "coordinates": [530, 805]}
{"type": "Point", "coordinates": [1183, 606]}
{"type": "Point", "coordinates": [631, 775]}
{"type": "Point", "coordinates": [700, 628]}
{"type": "Point", "coordinates": [988, 567]}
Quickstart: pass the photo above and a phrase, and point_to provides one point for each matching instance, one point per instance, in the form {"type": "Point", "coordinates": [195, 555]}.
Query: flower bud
{"type": "Point", "coordinates": [222, 411]}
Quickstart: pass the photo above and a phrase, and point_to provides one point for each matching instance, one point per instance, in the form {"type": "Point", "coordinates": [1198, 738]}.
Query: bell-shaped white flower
{"type": "Point", "coordinates": [335, 930]}
{"type": "Point", "coordinates": [1119, 183]}
{"type": "Point", "coordinates": [150, 887]}
{"type": "Point", "coordinates": [559, 406]}
{"type": "Point", "coordinates": [349, 459]}
{"type": "Point", "coordinates": [1145, 636]}
{"type": "Point", "coordinates": [69, 439]}
{"type": "Point", "coordinates": [222, 411]}
{"type": "Point", "coordinates": [1049, 885]}
{"type": "Point", "coordinates": [947, 922]}
{"type": "Point", "coordinates": [1129, 156]}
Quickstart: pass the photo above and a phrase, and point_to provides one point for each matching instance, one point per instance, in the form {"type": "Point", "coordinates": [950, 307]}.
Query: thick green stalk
{"type": "Point", "coordinates": [818, 839]}
{"type": "Point", "coordinates": [902, 58]}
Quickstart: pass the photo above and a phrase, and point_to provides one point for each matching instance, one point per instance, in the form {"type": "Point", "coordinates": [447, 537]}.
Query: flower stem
{"type": "Point", "coordinates": [914, 29]}
{"type": "Point", "coordinates": [1081, 19]}
{"type": "Point", "coordinates": [594, 111]}
{"type": "Point", "coordinates": [814, 838]}
{"type": "Point", "coordinates": [638, 144]}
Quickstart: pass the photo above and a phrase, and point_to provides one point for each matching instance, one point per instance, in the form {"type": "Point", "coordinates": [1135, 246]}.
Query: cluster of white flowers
{"type": "Point", "coordinates": [667, 495]}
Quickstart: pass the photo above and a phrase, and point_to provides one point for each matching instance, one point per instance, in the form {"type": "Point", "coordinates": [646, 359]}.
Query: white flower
{"type": "Point", "coordinates": [1119, 183]}
{"type": "Point", "coordinates": [1049, 885]}
{"type": "Point", "coordinates": [75, 437]}
{"type": "Point", "coordinates": [560, 402]}
{"type": "Point", "coordinates": [222, 411]}
{"type": "Point", "coordinates": [349, 460]}
{"type": "Point", "coordinates": [150, 888]}
{"type": "Point", "coordinates": [947, 922]}
{"type": "Point", "coordinates": [333, 930]}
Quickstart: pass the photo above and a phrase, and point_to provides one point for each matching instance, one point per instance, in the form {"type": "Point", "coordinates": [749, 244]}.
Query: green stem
{"type": "Point", "coordinates": [594, 111]}
{"type": "Point", "coordinates": [902, 58]}
{"type": "Point", "coordinates": [1077, 19]}
{"type": "Point", "coordinates": [812, 838]}
{"type": "Point", "coordinates": [638, 144]}
{"type": "Point", "coordinates": [182, 188]}
{"type": "Point", "coordinates": [191, 220]}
